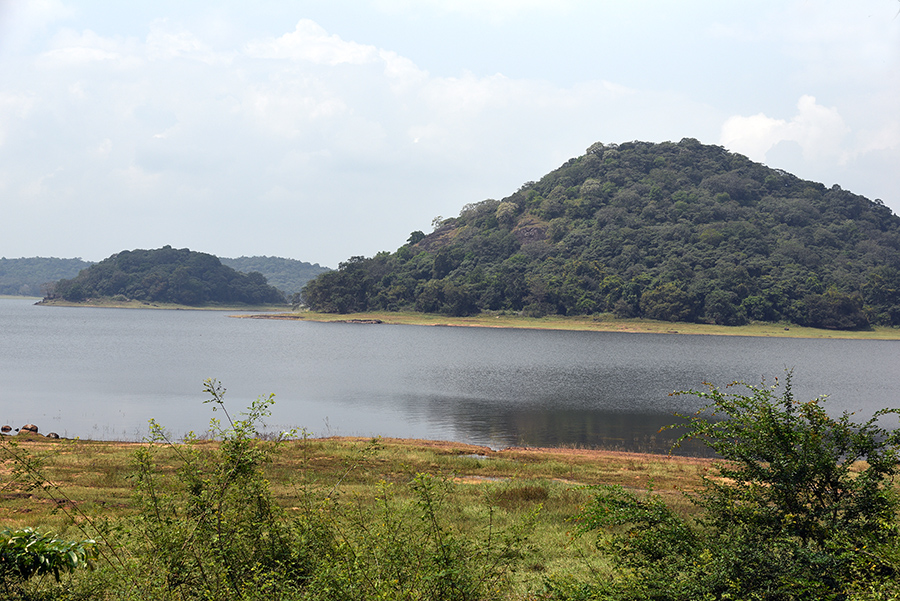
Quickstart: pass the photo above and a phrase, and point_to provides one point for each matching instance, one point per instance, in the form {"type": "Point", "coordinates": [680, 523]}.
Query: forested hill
{"type": "Point", "coordinates": [167, 275]}
{"type": "Point", "coordinates": [29, 276]}
{"type": "Point", "coordinates": [288, 275]}
{"type": "Point", "coordinates": [673, 231]}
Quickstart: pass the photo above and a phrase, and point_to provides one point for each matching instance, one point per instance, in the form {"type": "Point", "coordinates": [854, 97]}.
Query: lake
{"type": "Point", "coordinates": [103, 373]}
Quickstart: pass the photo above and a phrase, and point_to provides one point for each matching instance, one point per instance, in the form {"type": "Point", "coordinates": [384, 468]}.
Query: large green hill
{"type": "Point", "coordinates": [167, 275]}
{"type": "Point", "coordinates": [673, 231]}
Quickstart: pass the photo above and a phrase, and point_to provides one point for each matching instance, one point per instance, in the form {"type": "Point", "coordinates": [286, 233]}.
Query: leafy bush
{"type": "Point", "coordinates": [215, 532]}
{"type": "Point", "coordinates": [25, 553]}
{"type": "Point", "coordinates": [411, 551]}
{"type": "Point", "coordinates": [801, 506]}
{"type": "Point", "coordinates": [212, 530]}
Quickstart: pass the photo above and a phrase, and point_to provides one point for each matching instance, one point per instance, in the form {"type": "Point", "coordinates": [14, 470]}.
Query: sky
{"type": "Point", "coordinates": [324, 130]}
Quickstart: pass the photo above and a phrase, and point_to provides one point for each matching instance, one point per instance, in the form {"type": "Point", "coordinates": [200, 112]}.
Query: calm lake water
{"type": "Point", "coordinates": [103, 373]}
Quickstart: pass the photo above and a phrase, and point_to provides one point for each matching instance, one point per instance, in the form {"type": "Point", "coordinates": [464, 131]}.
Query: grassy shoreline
{"type": "Point", "coordinates": [603, 323]}
{"type": "Point", "coordinates": [91, 482]}
{"type": "Point", "coordinates": [590, 323]}
{"type": "Point", "coordinates": [92, 476]}
{"type": "Point", "coordinates": [360, 503]}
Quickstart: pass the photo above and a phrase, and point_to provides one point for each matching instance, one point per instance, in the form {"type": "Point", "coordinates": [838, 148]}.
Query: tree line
{"type": "Point", "coordinates": [288, 275]}
{"type": "Point", "coordinates": [31, 276]}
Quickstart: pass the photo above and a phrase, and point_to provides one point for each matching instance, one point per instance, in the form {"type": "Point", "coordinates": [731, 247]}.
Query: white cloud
{"type": "Point", "coordinates": [316, 124]}
{"type": "Point", "coordinates": [36, 188]}
{"type": "Point", "coordinates": [72, 48]}
{"type": "Point", "coordinates": [102, 149]}
{"type": "Point", "coordinates": [14, 108]}
{"type": "Point", "coordinates": [402, 72]}
{"type": "Point", "coordinates": [167, 42]}
{"type": "Point", "coordinates": [288, 110]}
{"type": "Point", "coordinates": [839, 34]}
{"type": "Point", "coordinates": [21, 21]}
{"type": "Point", "coordinates": [310, 42]}
{"type": "Point", "coordinates": [79, 54]}
{"type": "Point", "coordinates": [469, 93]}
{"type": "Point", "coordinates": [175, 119]}
{"type": "Point", "coordinates": [820, 132]}
{"type": "Point", "coordinates": [886, 137]}
{"type": "Point", "coordinates": [492, 10]}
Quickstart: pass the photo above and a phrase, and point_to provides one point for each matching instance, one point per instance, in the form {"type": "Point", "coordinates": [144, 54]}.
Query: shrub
{"type": "Point", "coordinates": [25, 553]}
{"type": "Point", "coordinates": [412, 551]}
{"type": "Point", "coordinates": [801, 506]}
{"type": "Point", "coordinates": [215, 532]}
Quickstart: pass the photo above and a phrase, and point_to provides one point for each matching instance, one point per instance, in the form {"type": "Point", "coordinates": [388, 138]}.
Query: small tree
{"type": "Point", "coordinates": [214, 531]}
{"type": "Point", "coordinates": [801, 506]}
{"type": "Point", "coordinates": [792, 470]}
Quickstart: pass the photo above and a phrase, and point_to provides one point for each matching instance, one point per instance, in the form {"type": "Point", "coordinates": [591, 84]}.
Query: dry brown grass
{"type": "Point", "coordinates": [90, 478]}
{"type": "Point", "coordinates": [592, 323]}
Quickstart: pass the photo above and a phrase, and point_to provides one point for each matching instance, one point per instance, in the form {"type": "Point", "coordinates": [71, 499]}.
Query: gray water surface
{"type": "Point", "coordinates": [103, 373]}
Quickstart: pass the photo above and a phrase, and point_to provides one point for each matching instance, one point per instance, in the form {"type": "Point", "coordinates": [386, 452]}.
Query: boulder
{"type": "Point", "coordinates": [52, 435]}
{"type": "Point", "coordinates": [29, 428]}
{"type": "Point", "coordinates": [6, 429]}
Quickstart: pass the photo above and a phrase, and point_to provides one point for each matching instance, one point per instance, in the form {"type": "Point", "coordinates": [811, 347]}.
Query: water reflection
{"type": "Point", "coordinates": [580, 428]}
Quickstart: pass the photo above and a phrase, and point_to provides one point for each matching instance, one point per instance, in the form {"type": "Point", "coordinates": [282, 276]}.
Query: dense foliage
{"type": "Point", "coordinates": [212, 530]}
{"type": "Point", "coordinates": [672, 231]}
{"type": "Point", "coordinates": [26, 553]}
{"type": "Point", "coordinates": [288, 275]}
{"type": "Point", "coordinates": [31, 276]}
{"type": "Point", "coordinates": [167, 275]}
{"type": "Point", "coordinates": [802, 506]}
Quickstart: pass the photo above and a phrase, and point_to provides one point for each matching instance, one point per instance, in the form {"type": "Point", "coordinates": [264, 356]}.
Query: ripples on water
{"type": "Point", "coordinates": [102, 373]}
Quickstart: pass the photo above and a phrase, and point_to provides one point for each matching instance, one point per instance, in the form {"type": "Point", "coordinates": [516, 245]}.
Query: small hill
{"type": "Point", "coordinates": [167, 275]}
{"type": "Point", "coordinates": [31, 276]}
{"type": "Point", "coordinates": [288, 275]}
{"type": "Point", "coordinates": [673, 231]}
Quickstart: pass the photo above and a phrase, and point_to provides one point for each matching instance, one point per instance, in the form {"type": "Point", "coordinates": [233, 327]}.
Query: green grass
{"type": "Point", "coordinates": [363, 490]}
{"type": "Point", "coordinates": [87, 483]}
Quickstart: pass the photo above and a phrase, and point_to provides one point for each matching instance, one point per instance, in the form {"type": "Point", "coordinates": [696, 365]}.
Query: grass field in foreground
{"type": "Point", "coordinates": [88, 481]}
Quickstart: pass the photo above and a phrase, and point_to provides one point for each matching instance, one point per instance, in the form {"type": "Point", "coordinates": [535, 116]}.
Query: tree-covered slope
{"type": "Point", "coordinates": [288, 275]}
{"type": "Point", "coordinates": [672, 231]}
{"type": "Point", "coordinates": [29, 276]}
{"type": "Point", "coordinates": [168, 275]}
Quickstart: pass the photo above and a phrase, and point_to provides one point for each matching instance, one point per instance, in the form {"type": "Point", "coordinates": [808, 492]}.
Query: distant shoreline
{"type": "Point", "coordinates": [601, 323]}
{"type": "Point", "coordinates": [588, 323]}
{"type": "Point", "coordinates": [135, 304]}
